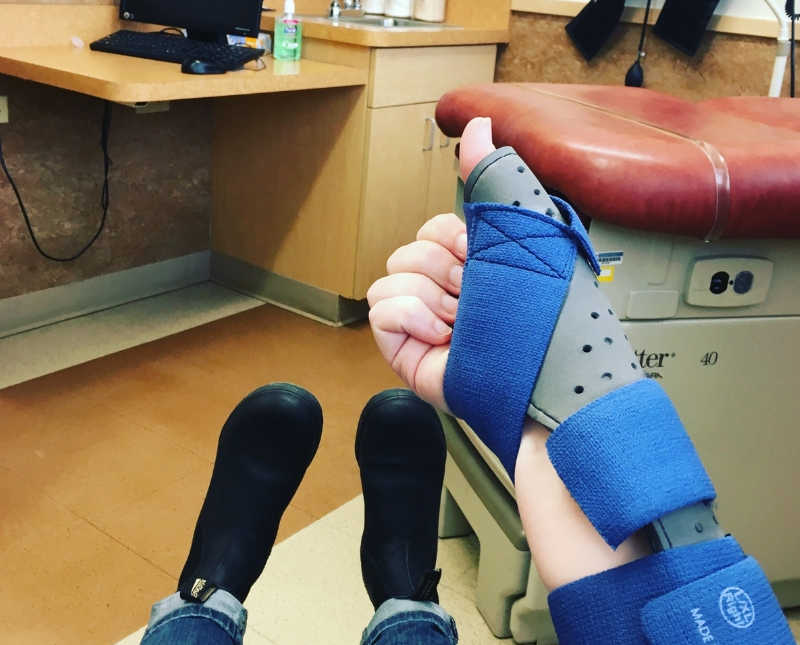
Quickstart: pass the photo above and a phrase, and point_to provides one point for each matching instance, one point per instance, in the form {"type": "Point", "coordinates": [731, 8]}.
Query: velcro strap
{"type": "Point", "coordinates": [734, 605]}
{"type": "Point", "coordinates": [627, 460]}
{"type": "Point", "coordinates": [682, 595]}
{"type": "Point", "coordinates": [577, 232]}
{"type": "Point", "coordinates": [518, 269]}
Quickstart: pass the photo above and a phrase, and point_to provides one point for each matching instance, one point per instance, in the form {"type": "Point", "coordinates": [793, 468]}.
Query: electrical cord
{"type": "Point", "coordinates": [104, 196]}
{"type": "Point", "coordinates": [635, 75]}
{"type": "Point", "coordinates": [790, 11]}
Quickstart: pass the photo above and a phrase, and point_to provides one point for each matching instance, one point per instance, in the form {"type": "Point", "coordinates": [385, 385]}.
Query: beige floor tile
{"type": "Point", "coordinates": [28, 514]}
{"type": "Point", "coordinates": [332, 478]}
{"type": "Point", "coordinates": [251, 637]}
{"type": "Point", "coordinates": [48, 433]}
{"type": "Point", "coordinates": [168, 515]}
{"type": "Point", "coordinates": [294, 519]}
{"type": "Point", "coordinates": [116, 472]}
{"type": "Point", "coordinates": [311, 589]}
{"type": "Point", "coordinates": [127, 440]}
{"type": "Point", "coordinates": [75, 585]}
{"type": "Point", "coordinates": [187, 415]}
{"type": "Point", "coordinates": [318, 570]}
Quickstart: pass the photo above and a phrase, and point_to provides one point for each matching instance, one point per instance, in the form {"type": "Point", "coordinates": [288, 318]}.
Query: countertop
{"type": "Point", "coordinates": [129, 80]}
{"type": "Point", "coordinates": [368, 36]}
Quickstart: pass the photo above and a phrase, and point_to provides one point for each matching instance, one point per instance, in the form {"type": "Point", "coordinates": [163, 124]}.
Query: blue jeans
{"type": "Point", "coordinates": [222, 619]}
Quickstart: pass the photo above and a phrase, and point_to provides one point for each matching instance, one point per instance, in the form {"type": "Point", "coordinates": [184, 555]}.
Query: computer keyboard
{"type": "Point", "coordinates": [173, 48]}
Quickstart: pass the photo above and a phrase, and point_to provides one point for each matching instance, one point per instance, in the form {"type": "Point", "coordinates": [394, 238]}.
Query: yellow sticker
{"type": "Point", "coordinates": [606, 274]}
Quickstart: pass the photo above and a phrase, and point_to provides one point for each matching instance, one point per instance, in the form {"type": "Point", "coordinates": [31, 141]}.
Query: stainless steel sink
{"type": "Point", "coordinates": [390, 23]}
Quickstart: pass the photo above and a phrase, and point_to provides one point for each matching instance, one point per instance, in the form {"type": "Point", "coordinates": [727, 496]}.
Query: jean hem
{"type": "Point", "coordinates": [221, 608]}
{"type": "Point", "coordinates": [396, 612]}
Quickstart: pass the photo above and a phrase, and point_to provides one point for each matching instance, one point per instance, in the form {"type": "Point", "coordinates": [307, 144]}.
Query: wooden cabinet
{"type": "Point", "coordinates": [444, 172]}
{"type": "Point", "coordinates": [410, 177]}
{"type": "Point", "coordinates": [336, 179]}
{"type": "Point", "coordinates": [410, 171]}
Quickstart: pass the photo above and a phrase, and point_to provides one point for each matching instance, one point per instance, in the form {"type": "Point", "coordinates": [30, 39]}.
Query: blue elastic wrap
{"type": "Point", "coordinates": [518, 269]}
{"type": "Point", "coordinates": [627, 460]}
{"type": "Point", "coordinates": [704, 593]}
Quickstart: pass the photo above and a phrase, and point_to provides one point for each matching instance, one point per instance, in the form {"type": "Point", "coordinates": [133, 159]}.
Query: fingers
{"type": "Point", "coordinates": [429, 377]}
{"type": "Point", "coordinates": [429, 259]}
{"type": "Point", "coordinates": [394, 318]}
{"type": "Point", "coordinates": [441, 303]}
{"type": "Point", "coordinates": [447, 230]}
{"type": "Point", "coordinates": [411, 307]}
{"type": "Point", "coordinates": [476, 143]}
{"type": "Point", "coordinates": [415, 342]}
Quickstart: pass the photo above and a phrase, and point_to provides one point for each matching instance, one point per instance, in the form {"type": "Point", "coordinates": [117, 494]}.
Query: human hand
{"type": "Point", "coordinates": [412, 309]}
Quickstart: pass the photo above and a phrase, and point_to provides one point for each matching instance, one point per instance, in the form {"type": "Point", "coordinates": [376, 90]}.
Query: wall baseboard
{"type": "Point", "coordinates": [31, 310]}
{"type": "Point", "coordinates": [298, 297]}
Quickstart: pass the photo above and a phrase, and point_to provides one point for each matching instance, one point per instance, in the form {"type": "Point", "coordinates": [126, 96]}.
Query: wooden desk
{"type": "Point", "coordinates": [36, 46]}
{"type": "Point", "coordinates": [337, 170]}
{"type": "Point", "coordinates": [129, 80]}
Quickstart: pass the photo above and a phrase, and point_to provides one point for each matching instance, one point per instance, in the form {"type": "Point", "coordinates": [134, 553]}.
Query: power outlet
{"type": "Point", "coordinates": [3, 109]}
{"type": "Point", "coordinates": [728, 281]}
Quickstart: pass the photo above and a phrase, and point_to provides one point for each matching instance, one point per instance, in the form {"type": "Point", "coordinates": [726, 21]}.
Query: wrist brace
{"type": "Point", "coordinates": [534, 335]}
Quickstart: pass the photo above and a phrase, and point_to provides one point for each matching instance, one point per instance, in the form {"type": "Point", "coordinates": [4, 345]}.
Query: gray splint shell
{"type": "Point", "coordinates": [589, 354]}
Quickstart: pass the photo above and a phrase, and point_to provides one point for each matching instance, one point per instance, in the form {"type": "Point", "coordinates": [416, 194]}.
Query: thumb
{"type": "Point", "coordinates": [476, 143]}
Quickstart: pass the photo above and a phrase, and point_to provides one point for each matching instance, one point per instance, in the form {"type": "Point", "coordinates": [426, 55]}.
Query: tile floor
{"type": "Point", "coordinates": [302, 577]}
{"type": "Point", "coordinates": [104, 465]}
{"type": "Point", "coordinates": [74, 341]}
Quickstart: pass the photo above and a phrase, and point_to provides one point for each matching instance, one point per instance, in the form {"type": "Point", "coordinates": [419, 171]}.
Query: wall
{"type": "Point", "coordinates": [159, 183]}
{"type": "Point", "coordinates": [159, 187]}
{"type": "Point", "coordinates": [726, 64]}
{"type": "Point", "coordinates": [749, 17]}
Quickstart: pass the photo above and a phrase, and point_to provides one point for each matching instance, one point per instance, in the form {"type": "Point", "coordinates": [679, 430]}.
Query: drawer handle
{"type": "Point", "coordinates": [444, 141]}
{"type": "Point", "coordinates": [430, 128]}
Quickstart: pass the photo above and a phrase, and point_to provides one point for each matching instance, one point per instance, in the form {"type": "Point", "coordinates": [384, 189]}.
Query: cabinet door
{"type": "Point", "coordinates": [394, 205]}
{"type": "Point", "coordinates": [444, 175]}
{"type": "Point", "coordinates": [405, 75]}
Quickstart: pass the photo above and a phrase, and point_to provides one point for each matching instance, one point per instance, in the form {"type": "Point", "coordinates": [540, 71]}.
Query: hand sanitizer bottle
{"type": "Point", "coordinates": [288, 34]}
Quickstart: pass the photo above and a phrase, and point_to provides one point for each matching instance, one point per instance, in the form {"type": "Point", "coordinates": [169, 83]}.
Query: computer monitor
{"type": "Point", "coordinates": [209, 20]}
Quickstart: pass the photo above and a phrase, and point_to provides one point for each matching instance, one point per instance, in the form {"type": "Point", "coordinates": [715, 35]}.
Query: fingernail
{"type": "Point", "coordinates": [461, 244]}
{"type": "Point", "coordinates": [441, 327]}
{"type": "Point", "coordinates": [456, 273]}
{"type": "Point", "coordinates": [449, 304]}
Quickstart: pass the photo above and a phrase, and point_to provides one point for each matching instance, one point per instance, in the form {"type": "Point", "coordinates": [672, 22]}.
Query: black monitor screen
{"type": "Point", "coordinates": [241, 17]}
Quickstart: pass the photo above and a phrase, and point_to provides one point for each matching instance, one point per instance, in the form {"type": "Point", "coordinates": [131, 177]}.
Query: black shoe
{"type": "Point", "coordinates": [264, 449]}
{"type": "Point", "coordinates": [401, 451]}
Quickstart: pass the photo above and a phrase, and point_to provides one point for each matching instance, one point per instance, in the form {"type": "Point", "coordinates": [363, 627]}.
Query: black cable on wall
{"type": "Point", "coordinates": [104, 195]}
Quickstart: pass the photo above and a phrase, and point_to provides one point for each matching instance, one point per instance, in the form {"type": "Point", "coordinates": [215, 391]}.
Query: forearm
{"type": "Point", "coordinates": [564, 545]}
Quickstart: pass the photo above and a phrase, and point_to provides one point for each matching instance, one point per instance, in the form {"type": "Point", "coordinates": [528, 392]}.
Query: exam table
{"type": "Point", "coordinates": [694, 211]}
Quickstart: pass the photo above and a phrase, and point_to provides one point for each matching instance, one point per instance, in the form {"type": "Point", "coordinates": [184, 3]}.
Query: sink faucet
{"type": "Point", "coordinates": [350, 8]}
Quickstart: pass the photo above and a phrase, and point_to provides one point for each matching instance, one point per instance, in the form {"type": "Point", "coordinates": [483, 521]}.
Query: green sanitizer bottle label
{"type": "Point", "coordinates": [288, 39]}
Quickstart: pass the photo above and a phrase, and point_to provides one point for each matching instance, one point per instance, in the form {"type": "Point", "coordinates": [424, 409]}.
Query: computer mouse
{"type": "Point", "coordinates": [196, 66]}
